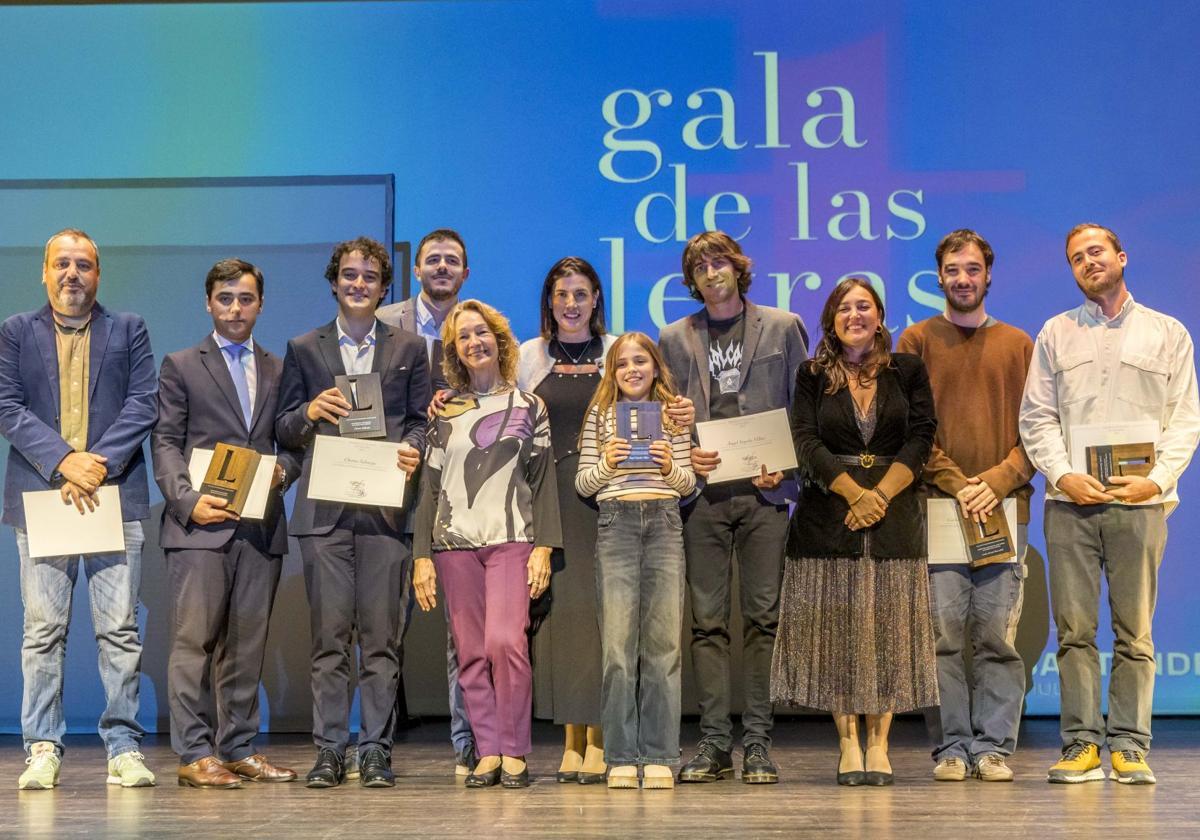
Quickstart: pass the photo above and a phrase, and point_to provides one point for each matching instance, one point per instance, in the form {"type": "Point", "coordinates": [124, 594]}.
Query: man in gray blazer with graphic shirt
{"type": "Point", "coordinates": [733, 358]}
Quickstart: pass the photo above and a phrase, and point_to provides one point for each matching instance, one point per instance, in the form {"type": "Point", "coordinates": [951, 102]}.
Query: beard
{"type": "Point", "coordinates": [439, 294]}
{"type": "Point", "coordinates": [965, 307]}
{"type": "Point", "coordinates": [74, 302]}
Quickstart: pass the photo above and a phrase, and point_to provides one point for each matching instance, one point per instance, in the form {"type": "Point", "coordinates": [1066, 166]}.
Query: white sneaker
{"type": "Point", "coordinates": [951, 769]}
{"type": "Point", "coordinates": [128, 770]}
{"type": "Point", "coordinates": [43, 764]}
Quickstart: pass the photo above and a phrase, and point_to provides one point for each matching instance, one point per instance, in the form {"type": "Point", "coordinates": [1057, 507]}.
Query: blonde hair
{"type": "Point", "coordinates": [607, 391]}
{"type": "Point", "coordinates": [457, 376]}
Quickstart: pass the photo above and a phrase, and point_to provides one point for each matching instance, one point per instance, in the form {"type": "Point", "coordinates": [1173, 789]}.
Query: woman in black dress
{"type": "Point", "coordinates": [855, 632]}
{"type": "Point", "coordinates": [562, 366]}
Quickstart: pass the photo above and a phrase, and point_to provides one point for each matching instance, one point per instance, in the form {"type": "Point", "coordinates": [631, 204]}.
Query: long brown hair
{"type": "Point", "coordinates": [607, 391]}
{"type": "Point", "coordinates": [830, 355]}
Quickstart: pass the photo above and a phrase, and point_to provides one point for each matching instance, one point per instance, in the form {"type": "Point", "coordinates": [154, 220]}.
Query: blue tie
{"type": "Point", "coordinates": [240, 385]}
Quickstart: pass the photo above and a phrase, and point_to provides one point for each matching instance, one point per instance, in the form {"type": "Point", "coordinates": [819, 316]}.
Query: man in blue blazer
{"type": "Point", "coordinates": [357, 559]}
{"type": "Point", "coordinates": [77, 399]}
{"type": "Point", "coordinates": [223, 571]}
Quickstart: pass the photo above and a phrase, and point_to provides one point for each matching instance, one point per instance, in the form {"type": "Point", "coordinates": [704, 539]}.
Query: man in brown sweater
{"type": "Point", "coordinates": [977, 367]}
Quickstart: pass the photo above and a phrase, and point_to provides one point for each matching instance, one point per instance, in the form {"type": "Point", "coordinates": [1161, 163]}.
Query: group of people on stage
{"type": "Point", "coordinates": [524, 514]}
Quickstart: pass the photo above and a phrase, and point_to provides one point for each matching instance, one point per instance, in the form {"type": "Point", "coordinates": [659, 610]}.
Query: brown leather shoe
{"type": "Point", "coordinates": [256, 768]}
{"type": "Point", "coordinates": [207, 773]}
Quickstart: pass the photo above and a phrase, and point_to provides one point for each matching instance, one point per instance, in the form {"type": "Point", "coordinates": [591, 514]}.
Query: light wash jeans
{"type": "Point", "coordinates": [639, 590]}
{"type": "Point", "coordinates": [47, 584]}
{"type": "Point", "coordinates": [982, 716]}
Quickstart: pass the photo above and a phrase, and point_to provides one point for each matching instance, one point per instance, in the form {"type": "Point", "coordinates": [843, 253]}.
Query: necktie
{"type": "Point", "coordinates": [240, 385]}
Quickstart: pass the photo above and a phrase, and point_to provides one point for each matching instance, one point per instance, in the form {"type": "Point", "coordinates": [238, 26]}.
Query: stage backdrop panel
{"type": "Point", "coordinates": [830, 138]}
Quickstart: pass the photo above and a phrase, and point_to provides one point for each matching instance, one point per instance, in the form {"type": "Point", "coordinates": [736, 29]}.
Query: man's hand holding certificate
{"type": "Point", "coordinates": [357, 471]}
{"type": "Point", "coordinates": [756, 446]}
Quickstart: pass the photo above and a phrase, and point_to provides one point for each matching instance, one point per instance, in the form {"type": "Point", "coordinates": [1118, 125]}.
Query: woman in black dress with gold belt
{"type": "Point", "coordinates": [855, 631]}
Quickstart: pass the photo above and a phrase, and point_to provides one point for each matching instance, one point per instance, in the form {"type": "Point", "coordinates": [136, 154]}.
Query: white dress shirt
{"type": "Point", "coordinates": [249, 367]}
{"type": "Point", "coordinates": [1091, 369]}
{"type": "Point", "coordinates": [357, 358]}
{"type": "Point", "coordinates": [427, 327]}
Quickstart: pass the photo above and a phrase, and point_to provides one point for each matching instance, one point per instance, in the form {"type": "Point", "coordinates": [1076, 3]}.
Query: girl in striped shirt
{"type": "Point", "coordinates": [639, 566]}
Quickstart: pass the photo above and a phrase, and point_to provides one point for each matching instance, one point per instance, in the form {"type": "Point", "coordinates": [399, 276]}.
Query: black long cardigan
{"type": "Point", "coordinates": [823, 427]}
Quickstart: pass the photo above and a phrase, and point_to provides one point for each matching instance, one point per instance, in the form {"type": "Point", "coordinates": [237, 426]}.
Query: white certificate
{"type": "Point", "coordinates": [260, 488]}
{"type": "Point", "coordinates": [55, 529]}
{"type": "Point", "coordinates": [946, 541]}
{"type": "Point", "coordinates": [746, 444]}
{"type": "Point", "coordinates": [356, 471]}
{"type": "Point", "coordinates": [1106, 434]}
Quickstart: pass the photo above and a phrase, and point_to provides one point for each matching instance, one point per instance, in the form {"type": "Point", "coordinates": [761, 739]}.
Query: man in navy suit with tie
{"type": "Point", "coordinates": [77, 399]}
{"type": "Point", "coordinates": [223, 570]}
{"type": "Point", "coordinates": [357, 559]}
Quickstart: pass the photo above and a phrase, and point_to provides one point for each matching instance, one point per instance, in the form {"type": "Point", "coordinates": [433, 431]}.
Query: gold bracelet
{"type": "Point", "coordinates": [859, 499]}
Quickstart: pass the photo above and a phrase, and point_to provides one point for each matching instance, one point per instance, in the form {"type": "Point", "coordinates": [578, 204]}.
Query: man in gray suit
{"type": "Point", "coordinates": [223, 570]}
{"type": "Point", "coordinates": [357, 559]}
{"type": "Point", "coordinates": [733, 358]}
{"type": "Point", "coordinates": [441, 267]}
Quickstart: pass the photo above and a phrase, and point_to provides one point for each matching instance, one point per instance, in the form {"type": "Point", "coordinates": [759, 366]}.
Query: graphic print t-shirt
{"type": "Point", "coordinates": [725, 340]}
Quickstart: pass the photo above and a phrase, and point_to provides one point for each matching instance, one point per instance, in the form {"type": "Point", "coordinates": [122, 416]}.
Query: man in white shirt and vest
{"type": "Point", "coordinates": [1108, 362]}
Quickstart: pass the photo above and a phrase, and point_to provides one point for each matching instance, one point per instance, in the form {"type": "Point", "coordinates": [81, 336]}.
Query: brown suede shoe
{"type": "Point", "coordinates": [256, 768]}
{"type": "Point", "coordinates": [207, 773]}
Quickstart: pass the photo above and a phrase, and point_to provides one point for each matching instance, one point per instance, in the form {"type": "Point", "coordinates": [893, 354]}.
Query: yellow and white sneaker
{"type": "Point", "coordinates": [43, 764]}
{"type": "Point", "coordinates": [128, 770]}
{"type": "Point", "coordinates": [1129, 767]}
{"type": "Point", "coordinates": [1080, 763]}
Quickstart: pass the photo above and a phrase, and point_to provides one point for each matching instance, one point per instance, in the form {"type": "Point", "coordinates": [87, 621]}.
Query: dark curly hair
{"type": "Point", "coordinates": [370, 249]}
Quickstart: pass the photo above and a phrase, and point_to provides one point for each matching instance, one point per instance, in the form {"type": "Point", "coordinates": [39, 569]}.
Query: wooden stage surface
{"type": "Point", "coordinates": [427, 801]}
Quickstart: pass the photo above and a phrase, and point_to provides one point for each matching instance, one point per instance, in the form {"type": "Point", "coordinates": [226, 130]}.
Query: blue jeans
{"type": "Point", "coordinates": [460, 727]}
{"type": "Point", "coordinates": [982, 716]}
{"type": "Point", "coordinates": [639, 589]}
{"type": "Point", "coordinates": [47, 584]}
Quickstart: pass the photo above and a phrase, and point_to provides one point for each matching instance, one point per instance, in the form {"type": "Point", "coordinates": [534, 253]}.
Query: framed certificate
{"type": "Point", "coordinates": [356, 471]}
{"type": "Point", "coordinates": [947, 540]}
{"type": "Point", "coordinates": [255, 506]}
{"type": "Point", "coordinates": [746, 444]}
{"type": "Point", "coordinates": [55, 529]}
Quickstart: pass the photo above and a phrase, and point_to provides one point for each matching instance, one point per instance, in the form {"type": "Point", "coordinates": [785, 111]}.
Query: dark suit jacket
{"type": "Point", "coordinates": [404, 316]}
{"type": "Point", "coordinates": [198, 407]}
{"type": "Point", "coordinates": [823, 426]}
{"type": "Point", "coordinates": [309, 366]}
{"type": "Point", "coordinates": [121, 406]}
{"type": "Point", "coordinates": [774, 346]}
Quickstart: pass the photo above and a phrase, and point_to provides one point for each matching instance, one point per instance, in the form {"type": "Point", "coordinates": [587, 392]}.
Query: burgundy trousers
{"type": "Point", "coordinates": [487, 603]}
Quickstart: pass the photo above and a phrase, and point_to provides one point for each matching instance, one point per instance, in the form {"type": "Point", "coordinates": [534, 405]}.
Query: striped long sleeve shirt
{"type": "Point", "coordinates": [595, 478]}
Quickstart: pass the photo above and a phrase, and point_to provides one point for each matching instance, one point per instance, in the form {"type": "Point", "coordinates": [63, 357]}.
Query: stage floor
{"type": "Point", "coordinates": [427, 800]}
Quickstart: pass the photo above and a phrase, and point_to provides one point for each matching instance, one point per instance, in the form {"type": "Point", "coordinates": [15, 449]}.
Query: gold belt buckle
{"type": "Point", "coordinates": [866, 459]}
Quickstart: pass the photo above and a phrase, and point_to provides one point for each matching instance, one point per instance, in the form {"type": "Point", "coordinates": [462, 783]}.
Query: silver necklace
{"type": "Point", "coordinates": [575, 360]}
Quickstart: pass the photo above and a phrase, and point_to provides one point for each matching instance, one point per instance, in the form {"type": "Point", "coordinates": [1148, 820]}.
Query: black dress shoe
{"type": "Point", "coordinates": [757, 767]}
{"type": "Point", "coordinates": [329, 771]}
{"type": "Point", "coordinates": [877, 778]}
{"type": "Point", "coordinates": [515, 780]}
{"type": "Point", "coordinates": [375, 768]}
{"type": "Point", "coordinates": [564, 777]}
{"type": "Point", "coordinates": [482, 780]}
{"type": "Point", "coordinates": [709, 765]}
{"type": "Point", "coordinates": [592, 778]}
{"type": "Point", "coordinates": [853, 779]}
